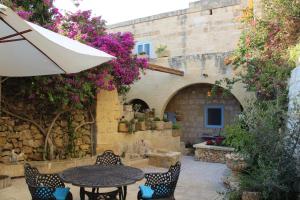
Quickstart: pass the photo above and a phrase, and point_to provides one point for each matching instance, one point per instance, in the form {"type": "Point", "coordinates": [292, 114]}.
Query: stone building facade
{"type": "Point", "coordinates": [197, 41]}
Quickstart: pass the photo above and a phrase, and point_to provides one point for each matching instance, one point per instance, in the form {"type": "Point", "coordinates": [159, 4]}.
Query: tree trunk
{"type": "Point", "coordinates": [47, 139]}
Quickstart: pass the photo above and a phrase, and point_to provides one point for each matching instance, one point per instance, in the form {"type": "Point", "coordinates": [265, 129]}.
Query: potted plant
{"type": "Point", "coordinates": [162, 51]}
{"type": "Point", "coordinates": [176, 130]}
{"type": "Point", "coordinates": [167, 124]}
{"type": "Point", "coordinates": [141, 124]}
{"type": "Point", "coordinates": [143, 55]}
{"type": "Point", "coordinates": [159, 125]}
{"type": "Point", "coordinates": [132, 126]}
{"type": "Point", "coordinates": [123, 125]}
{"type": "Point", "coordinates": [178, 116]}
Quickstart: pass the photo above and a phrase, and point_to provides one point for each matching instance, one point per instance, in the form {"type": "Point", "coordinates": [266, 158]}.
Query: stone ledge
{"type": "Point", "coordinates": [204, 146]}
{"type": "Point", "coordinates": [16, 170]}
{"type": "Point", "coordinates": [164, 159]}
{"type": "Point", "coordinates": [210, 153]}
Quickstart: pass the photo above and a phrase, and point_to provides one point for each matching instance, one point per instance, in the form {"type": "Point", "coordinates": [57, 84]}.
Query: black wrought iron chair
{"type": "Point", "coordinates": [42, 186]}
{"type": "Point", "coordinates": [163, 184]}
{"type": "Point", "coordinates": [108, 158]}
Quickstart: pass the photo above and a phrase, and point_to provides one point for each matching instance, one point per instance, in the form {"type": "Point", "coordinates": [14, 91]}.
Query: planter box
{"type": "Point", "coordinates": [141, 126]}
{"type": "Point", "coordinates": [168, 125]}
{"type": "Point", "coordinates": [176, 132]}
{"type": "Point", "coordinates": [123, 127]}
{"type": "Point", "coordinates": [210, 153]}
{"type": "Point", "coordinates": [159, 125]}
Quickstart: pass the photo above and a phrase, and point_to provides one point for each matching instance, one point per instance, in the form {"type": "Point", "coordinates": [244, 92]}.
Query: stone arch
{"type": "Point", "coordinates": [193, 102]}
{"type": "Point", "coordinates": [234, 93]}
{"type": "Point", "coordinates": [144, 105]}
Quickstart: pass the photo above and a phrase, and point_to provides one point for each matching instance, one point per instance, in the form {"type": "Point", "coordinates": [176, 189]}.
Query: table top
{"type": "Point", "coordinates": [102, 176]}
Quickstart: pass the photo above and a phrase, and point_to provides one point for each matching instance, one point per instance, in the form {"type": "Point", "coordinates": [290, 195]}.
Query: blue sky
{"type": "Point", "coordinates": [114, 11]}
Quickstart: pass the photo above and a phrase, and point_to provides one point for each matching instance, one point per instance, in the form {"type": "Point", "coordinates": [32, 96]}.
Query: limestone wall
{"type": "Point", "coordinates": [198, 39]}
{"type": "Point", "coordinates": [190, 103]}
{"type": "Point", "coordinates": [23, 137]}
{"type": "Point", "coordinates": [109, 111]}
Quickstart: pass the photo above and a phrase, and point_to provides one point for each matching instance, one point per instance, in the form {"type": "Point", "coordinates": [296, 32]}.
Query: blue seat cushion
{"type": "Point", "coordinates": [146, 191]}
{"type": "Point", "coordinates": [61, 193]}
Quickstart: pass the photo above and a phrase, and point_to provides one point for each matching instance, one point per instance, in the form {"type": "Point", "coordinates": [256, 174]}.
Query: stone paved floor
{"type": "Point", "coordinates": [198, 181]}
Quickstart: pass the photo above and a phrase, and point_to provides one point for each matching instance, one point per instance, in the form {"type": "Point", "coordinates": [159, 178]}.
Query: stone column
{"type": "Point", "coordinates": [108, 112]}
{"type": "Point", "coordinates": [294, 106]}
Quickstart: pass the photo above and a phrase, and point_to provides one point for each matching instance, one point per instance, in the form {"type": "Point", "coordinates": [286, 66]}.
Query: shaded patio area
{"type": "Point", "coordinates": [198, 180]}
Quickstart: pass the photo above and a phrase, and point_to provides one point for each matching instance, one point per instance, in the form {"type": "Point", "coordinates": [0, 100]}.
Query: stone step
{"type": "Point", "coordinates": [139, 163]}
{"type": "Point", "coordinates": [5, 181]}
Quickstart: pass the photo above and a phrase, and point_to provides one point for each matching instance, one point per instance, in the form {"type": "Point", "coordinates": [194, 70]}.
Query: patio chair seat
{"type": "Point", "coordinates": [163, 184]}
{"type": "Point", "coordinates": [42, 186]}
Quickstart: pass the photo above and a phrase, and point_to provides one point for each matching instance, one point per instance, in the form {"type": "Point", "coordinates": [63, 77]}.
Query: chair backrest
{"type": "Point", "coordinates": [50, 180]}
{"type": "Point", "coordinates": [108, 158]}
{"type": "Point", "coordinates": [30, 174]}
{"type": "Point", "coordinates": [175, 171]}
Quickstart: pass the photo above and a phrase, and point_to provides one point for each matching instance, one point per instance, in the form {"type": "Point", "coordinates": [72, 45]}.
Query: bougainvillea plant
{"type": "Point", "coordinates": [80, 89]}
{"type": "Point", "coordinates": [52, 96]}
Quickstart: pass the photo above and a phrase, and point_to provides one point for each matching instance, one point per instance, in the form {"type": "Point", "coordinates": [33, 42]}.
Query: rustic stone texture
{"type": "Point", "coordinates": [190, 103]}
{"type": "Point", "coordinates": [26, 138]}
{"type": "Point", "coordinates": [208, 153]}
{"type": "Point", "coordinates": [164, 159]}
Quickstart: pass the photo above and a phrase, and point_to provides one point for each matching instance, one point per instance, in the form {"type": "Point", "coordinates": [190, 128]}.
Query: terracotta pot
{"type": "Point", "coordinates": [141, 126]}
{"type": "Point", "coordinates": [251, 195]}
{"type": "Point", "coordinates": [179, 117]}
{"type": "Point", "coordinates": [123, 127]}
{"type": "Point", "coordinates": [176, 132]}
{"type": "Point", "coordinates": [168, 125]}
{"type": "Point", "coordinates": [159, 125]}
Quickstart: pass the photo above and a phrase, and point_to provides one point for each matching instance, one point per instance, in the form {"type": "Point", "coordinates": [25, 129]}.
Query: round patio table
{"type": "Point", "coordinates": [96, 176]}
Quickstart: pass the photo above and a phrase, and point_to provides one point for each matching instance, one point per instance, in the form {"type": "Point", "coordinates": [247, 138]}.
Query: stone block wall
{"type": "Point", "coordinates": [23, 137]}
{"type": "Point", "coordinates": [190, 103]}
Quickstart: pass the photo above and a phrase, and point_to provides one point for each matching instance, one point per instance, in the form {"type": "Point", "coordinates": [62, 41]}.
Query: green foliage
{"type": "Point", "coordinates": [294, 53]}
{"type": "Point", "coordinates": [236, 137]}
{"type": "Point", "coordinates": [176, 126]}
{"type": "Point", "coordinates": [261, 135]}
{"type": "Point", "coordinates": [157, 119]}
{"type": "Point", "coordinates": [160, 50]}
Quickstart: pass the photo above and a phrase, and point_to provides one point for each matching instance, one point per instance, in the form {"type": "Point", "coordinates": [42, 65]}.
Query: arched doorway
{"type": "Point", "coordinates": [142, 104]}
{"type": "Point", "coordinates": [202, 112]}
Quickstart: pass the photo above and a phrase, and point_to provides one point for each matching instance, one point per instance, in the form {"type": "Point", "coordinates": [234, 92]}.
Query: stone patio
{"type": "Point", "coordinates": [198, 181]}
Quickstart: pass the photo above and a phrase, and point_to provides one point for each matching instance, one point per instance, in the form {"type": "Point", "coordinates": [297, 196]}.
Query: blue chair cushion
{"type": "Point", "coordinates": [43, 192]}
{"type": "Point", "coordinates": [61, 193]}
{"type": "Point", "coordinates": [146, 191]}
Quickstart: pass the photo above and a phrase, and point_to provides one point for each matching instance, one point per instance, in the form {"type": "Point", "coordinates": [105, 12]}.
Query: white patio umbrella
{"type": "Point", "coordinates": [27, 49]}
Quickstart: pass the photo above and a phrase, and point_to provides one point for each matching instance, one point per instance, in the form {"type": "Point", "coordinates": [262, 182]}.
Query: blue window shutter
{"type": "Point", "coordinates": [216, 111]}
{"type": "Point", "coordinates": [147, 48]}
{"type": "Point", "coordinates": [139, 49]}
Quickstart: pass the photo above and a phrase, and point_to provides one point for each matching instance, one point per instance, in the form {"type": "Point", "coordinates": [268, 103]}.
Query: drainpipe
{"type": "Point", "coordinates": [294, 116]}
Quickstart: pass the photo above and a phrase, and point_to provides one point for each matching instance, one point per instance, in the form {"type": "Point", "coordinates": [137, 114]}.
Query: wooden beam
{"type": "Point", "coordinates": [165, 70]}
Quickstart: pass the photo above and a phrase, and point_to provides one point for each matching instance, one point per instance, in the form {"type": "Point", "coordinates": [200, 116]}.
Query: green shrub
{"type": "Point", "coordinates": [176, 126]}
{"type": "Point", "coordinates": [156, 119]}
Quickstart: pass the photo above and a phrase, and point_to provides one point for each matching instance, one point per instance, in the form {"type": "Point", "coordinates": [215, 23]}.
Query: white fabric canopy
{"type": "Point", "coordinates": [27, 49]}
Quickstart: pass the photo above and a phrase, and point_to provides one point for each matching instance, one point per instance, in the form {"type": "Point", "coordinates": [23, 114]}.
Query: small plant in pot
{"type": "Point", "coordinates": [176, 130]}
{"type": "Point", "coordinates": [159, 125]}
{"type": "Point", "coordinates": [132, 126]}
{"type": "Point", "coordinates": [141, 124]}
{"type": "Point", "coordinates": [168, 124]}
{"type": "Point", "coordinates": [123, 125]}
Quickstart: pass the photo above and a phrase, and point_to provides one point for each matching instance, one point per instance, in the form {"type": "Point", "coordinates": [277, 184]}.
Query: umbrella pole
{"type": "Point", "coordinates": [0, 95]}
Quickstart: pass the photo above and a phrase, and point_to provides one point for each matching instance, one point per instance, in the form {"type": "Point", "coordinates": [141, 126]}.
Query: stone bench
{"type": "Point", "coordinates": [211, 153]}
{"type": "Point", "coordinates": [163, 159]}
